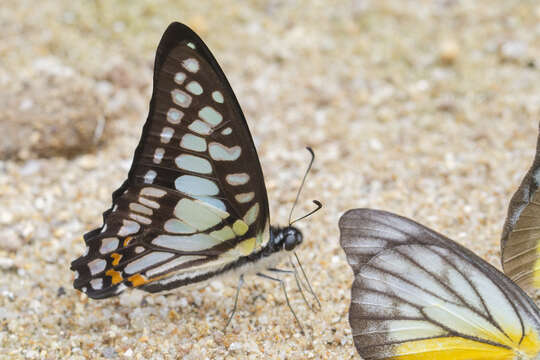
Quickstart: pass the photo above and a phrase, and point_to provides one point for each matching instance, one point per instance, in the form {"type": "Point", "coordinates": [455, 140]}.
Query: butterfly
{"type": "Point", "coordinates": [194, 204]}
{"type": "Point", "coordinates": [520, 243]}
{"type": "Point", "coordinates": [419, 295]}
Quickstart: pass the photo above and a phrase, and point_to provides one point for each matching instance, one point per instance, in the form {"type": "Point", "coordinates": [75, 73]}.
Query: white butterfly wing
{"type": "Point", "coordinates": [419, 295]}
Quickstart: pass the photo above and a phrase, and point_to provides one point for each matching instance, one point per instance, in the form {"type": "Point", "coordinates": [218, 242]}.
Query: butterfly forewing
{"type": "Point", "coordinates": [520, 244]}
{"type": "Point", "coordinates": [419, 295]}
{"type": "Point", "coordinates": [195, 199]}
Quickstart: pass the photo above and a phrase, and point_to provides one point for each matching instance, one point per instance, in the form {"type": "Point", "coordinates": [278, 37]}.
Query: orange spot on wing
{"type": "Point", "coordinates": [115, 275]}
{"type": "Point", "coordinates": [127, 240]}
{"type": "Point", "coordinates": [137, 280]}
{"type": "Point", "coordinates": [116, 258]}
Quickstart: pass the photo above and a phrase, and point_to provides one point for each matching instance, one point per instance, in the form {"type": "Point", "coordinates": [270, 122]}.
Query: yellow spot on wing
{"type": "Point", "coordinates": [530, 344]}
{"type": "Point", "coordinates": [116, 258]}
{"type": "Point", "coordinates": [246, 247]}
{"type": "Point", "coordinates": [457, 348]}
{"type": "Point", "coordinates": [115, 275]}
{"type": "Point", "coordinates": [137, 280]}
{"type": "Point", "coordinates": [240, 227]}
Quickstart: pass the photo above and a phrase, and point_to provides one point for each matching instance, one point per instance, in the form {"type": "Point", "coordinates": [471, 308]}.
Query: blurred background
{"type": "Point", "coordinates": [426, 108]}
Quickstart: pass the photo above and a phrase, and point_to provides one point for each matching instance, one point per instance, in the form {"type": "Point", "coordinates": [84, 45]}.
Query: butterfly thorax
{"type": "Point", "coordinates": [286, 238]}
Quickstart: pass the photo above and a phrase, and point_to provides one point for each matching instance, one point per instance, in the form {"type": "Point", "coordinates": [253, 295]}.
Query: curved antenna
{"type": "Point", "coordinates": [319, 206]}
{"type": "Point", "coordinates": [302, 185]}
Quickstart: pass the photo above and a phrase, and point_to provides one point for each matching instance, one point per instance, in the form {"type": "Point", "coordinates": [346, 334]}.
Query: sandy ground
{"type": "Point", "coordinates": [425, 108]}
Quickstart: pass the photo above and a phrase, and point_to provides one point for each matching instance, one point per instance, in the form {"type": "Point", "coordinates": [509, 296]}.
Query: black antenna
{"type": "Point", "coordinates": [301, 187]}
{"type": "Point", "coordinates": [319, 206]}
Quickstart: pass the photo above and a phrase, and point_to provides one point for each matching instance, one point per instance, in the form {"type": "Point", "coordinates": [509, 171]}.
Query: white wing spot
{"type": "Point", "coordinates": [153, 192]}
{"type": "Point", "coordinates": [217, 96]}
{"type": "Point", "coordinates": [198, 215]}
{"type": "Point", "coordinates": [172, 264]}
{"type": "Point", "coordinates": [147, 261]}
{"type": "Point", "coordinates": [195, 242]}
{"type": "Point", "coordinates": [223, 234]}
{"type": "Point", "coordinates": [237, 179]}
{"type": "Point", "coordinates": [200, 127]}
{"type": "Point", "coordinates": [140, 208]}
{"type": "Point", "coordinates": [195, 186]}
{"type": "Point", "coordinates": [166, 134]}
{"type": "Point", "coordinates": [213, 202]}
{"type": "Point", "coordinates": [149, 203]}
{"type": "Point", "coordinates": [210, 115]}
{"type": "Point", "coordinates": [193, 142]}
{"type": "Point", "coordinates": [140, 218]}
{"type": "Point", "coordinates": [220, 152]}
{"type": "Point", "coordinates": [96, 266]}
{"type": "Point", "coordinates": [193, 163]}
{"type": "Point", "coordinates": [174, 116]}
{"type": "Point", "coordinates": [179, 78]}
{"type": "Point", "coordinates": [158, 155]}
{"type": "Point", "coordinates": [139, 249]}
{"type": "Point", "coordinates": [191, 45]}
{"type": "Point", "coordinates": [108, 245]}
{"type": "Point", "coordinates": [191, 65]}
{"type": "Point", "coordinates": [195, 88]}
{"type": "Point", "coordinates": [128, 227]}
{"type": "Point", "coordinates": [245, 197]}
{"type": "Point", "coordinates": [149, 176]}
{"type": "Point", "coordinates": [96, 284]}
{"type": "Point", "coordinates": [226, 131]}
{"type": "Point", "coordinates": [181, 98]}
{"type": "Point", "coordinates": [176, 226]}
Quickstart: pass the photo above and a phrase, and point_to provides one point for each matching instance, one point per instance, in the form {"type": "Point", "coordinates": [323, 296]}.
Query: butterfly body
{"type": "Point", "coordinates": [194, 205]}
{"type": "Point", "coordinates": [267, 257]}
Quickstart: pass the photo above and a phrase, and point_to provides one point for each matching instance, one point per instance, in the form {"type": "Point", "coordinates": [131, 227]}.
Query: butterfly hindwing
{"type": "Point", "coordinates": [195, 198]}
{"type": "Point", "coordinates": [419, 295]}
{"type": "Point", "coordinates": [520, 243]}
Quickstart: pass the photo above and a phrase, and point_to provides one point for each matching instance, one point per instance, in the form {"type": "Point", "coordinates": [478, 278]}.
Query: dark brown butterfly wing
{"type": "Point", "coordinates": [520, 243]}
{"type": "Point", "coordinates": [419, 295]}
{"type": "Point", "coordinates": [195, 199]}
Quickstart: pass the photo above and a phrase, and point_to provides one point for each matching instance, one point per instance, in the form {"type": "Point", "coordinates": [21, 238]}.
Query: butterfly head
{"type": "Point", "coordinates": [287, 238]}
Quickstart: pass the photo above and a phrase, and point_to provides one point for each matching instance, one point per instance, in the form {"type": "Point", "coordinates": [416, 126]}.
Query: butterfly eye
{"type": "Point", "coordinates": [293, 239]}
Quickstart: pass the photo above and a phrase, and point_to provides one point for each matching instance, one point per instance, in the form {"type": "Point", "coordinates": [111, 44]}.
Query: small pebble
{"type": "Point", "coordinates": [513, 50]}
{"type": "Point", "coordinates": [6, 263]}
{"type": "Point", "coordinates": [108, 352]}
{"type": "Point", "coordinates": [448, 52]}
{"type": "Point", "coordinates": [128, 353]}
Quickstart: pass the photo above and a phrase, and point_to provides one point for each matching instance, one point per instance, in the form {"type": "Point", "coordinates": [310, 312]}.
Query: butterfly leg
{"type": "Point", "coordinates": [240, 283]}
{"type": "Point", "coordinates": [297, 282]}
{"type": "Point", "coordinates": [282, 283]}
{"type": "Point", "coordinates": [306, 278]}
